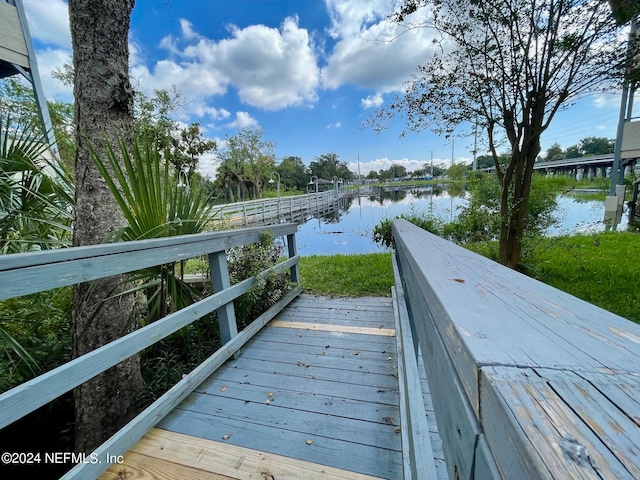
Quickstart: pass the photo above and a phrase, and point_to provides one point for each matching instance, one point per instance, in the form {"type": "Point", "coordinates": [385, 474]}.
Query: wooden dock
{"type": "Point", "coordinates": [313, 395]}
{"type": "Point", "coordinates": [270, 211]}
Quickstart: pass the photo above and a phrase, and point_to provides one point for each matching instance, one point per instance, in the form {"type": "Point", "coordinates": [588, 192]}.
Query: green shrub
{"type": "Point", "coordinates": [249, 260]}
{"type": "Point", "coordinates": [37, 335]}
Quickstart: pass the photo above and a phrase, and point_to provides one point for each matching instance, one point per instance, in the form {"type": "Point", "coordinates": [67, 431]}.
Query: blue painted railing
{"type": "Point", "coordinates": [22, 274]}
{"type": "Point", "coordinates": [527, 381]}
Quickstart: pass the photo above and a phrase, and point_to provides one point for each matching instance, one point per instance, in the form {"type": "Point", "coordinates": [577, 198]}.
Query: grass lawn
{"type": "Point", "coordinates": [347, 275]}
{"type": "Point", "coordinates": [603, 269]}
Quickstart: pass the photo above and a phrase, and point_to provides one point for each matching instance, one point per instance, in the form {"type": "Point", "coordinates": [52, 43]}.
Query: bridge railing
{"type": "Point", "coordinates": [271, 210]}
{"type": "Point", "coordinates": [22, 274]}
{"type": "Point", "coordinates": [527, 381]}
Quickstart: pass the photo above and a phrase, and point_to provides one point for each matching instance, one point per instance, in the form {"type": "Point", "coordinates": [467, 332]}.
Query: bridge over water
{"type": "Point", "coordinates": [268, 211]}
{"type": "Point", "coordinates": [597, 166]}
{"type": "Point", "coordinates": [467, 370]}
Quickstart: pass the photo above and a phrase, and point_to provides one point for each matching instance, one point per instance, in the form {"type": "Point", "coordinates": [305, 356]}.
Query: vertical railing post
{"type": "Point", "coordinates": [220, 280]}
{"type": "Point", "coordinates": [293, 251]}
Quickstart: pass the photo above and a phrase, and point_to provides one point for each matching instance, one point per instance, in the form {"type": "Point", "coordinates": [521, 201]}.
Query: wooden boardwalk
{"type": "Point", "coordinates": [313, 395]}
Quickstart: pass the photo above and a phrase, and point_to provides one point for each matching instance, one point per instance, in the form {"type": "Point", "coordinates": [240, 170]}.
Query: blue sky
{"type": "Point", "coordinates": [308, 72]}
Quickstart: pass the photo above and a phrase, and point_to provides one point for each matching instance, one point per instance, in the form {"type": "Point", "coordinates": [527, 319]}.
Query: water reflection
{"type": "Point", "coordinates": [349, 229]}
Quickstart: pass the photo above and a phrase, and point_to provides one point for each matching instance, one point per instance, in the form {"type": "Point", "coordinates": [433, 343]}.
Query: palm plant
{"type": "Point", "coordinates": [154, 206]}
{"type": "Point", "coordinates": [36, 194]}
{"type": "Point", "coordinates": [36, 200]}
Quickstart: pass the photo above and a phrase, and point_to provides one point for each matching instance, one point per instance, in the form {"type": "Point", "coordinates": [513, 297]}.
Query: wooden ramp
{"type": "Point", "coordinates": [313, 395]}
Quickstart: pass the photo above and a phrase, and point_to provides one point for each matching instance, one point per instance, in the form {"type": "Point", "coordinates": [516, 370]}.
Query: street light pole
{"type": "Point", "coordinates": [311, 183]}
{"type": "Point", "coordinates": [271, 182]}
{"type": "Point", "coordinates": [184, 184]}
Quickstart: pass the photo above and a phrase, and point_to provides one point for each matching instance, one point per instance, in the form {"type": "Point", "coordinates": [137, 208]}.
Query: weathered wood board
{"type": "Point", "coordinates": [164, 455]}
{"type": "Point", "coordinates": [336, 388]}
{"type": "Point", "coordinates": [544, 384]}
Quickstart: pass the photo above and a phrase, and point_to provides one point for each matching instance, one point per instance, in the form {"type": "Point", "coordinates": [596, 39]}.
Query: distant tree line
{"type": "Point", "coordinates": [399, 171]}
{"type": "Point", "coordinates": [585, 147]}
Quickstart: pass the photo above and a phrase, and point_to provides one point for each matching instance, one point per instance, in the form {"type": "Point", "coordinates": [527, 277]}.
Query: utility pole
{"type": "Point", "coordinates": [453, 142]}
{"type": "Point", "coordinates": [432, 164]}
{"type": "Point", "coordinates": [475, 145]}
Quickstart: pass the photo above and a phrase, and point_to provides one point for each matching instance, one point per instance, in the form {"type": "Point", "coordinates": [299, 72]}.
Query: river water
{"type": "Point", "coordinates": [351, 231]}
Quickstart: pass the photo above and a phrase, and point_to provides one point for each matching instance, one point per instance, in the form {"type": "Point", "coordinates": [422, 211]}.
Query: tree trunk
{"type": "Point", "coordinates": [515, 191]}
{"type": "Point", "coordinates": [103, 111]}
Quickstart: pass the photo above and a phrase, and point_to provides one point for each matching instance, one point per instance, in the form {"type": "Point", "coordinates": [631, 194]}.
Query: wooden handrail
{"type": "Point", "coordinates": [22, 274]}
{"type": "Point", "coordinates": [527, 381]}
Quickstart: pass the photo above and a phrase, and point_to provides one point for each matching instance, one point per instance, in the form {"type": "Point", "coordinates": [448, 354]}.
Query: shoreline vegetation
{"type": "Point", "coordinates": [598, 268]}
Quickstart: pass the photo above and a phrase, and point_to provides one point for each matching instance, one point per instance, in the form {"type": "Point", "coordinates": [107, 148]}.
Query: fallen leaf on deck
{"type": "Point", "coordinates": [223, 389]}
{"type": "Point", "coordinates": [313, 377]}
{"type": "Point", "coordinates": [270, 394]}
{"type": "Point", "coordinates": [356, 353]}
{"type": "Point", "coordinates": [397, 429]}
{"type": "Point", "coordinates": [268, 402]}
{"type": "Point", "coordinates": [227, 437]}
{"type": "Point", "coordinates": [302, 364]}
{"type": "Point", "coordinates": [309, 441]}
{"type": "Point", "coordinates": [461, 280]}
{"type": "Point", "coordinates": [389, 359]}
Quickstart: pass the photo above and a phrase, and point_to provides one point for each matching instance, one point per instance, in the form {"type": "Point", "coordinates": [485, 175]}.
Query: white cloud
{"type": "Point", "coordinates": [271, 68]}
{"type": "Point", "coordinates": [49, 21]}
{"type": "Point", "coordinates": [372, 101]}
{"type": "Point", "coordinates": [208, 164]}
{"type": "Point", "coordinates": [187, 30]}
{"type": "Point", "coordinates": [49, 60]}
{"type": "Point", "coordinates": [334, 125]}
{"type": "Point", "coordinates": [350, 17]}
{"type": "Point", "coordinates": [372, 53]}
{"type": "Point", "coordinates": [243, 120]}
{"type": "Point", "coordinates": [606, 101]}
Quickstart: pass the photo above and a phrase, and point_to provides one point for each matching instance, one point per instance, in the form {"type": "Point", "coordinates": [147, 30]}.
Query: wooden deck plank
{"type": "Point", "coordinates": [191, 456]}
{"type": "Point", "coordinates": [333, 328]}
{"type": "Point", "coordinates": [361, 376]}
{"type": "Point", "coordinates": [144, 467]}
{"type": "Point", "coordinates": [312, 402]}
{"type": "Point", "coordinates": [340, 358]}
{"type": "Point", "coordinates": [363, 313]}
{"type": "Point", "coordinates": [318, 338]}
{"type": "Point", "coordinates": [330, 382]}
{"type": "Point", "coordinates": [373, 303]}
{"type": "Point", "coordinates": [269, 381]}
{"type": "Point", "coordinates": [377, 434]}
{"type": "Point", "coordinates": [329, 318]}
{"type": "Point", "coordinates": [334, 453]}
{"type": "Point", "coordinates": [344, 313]}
